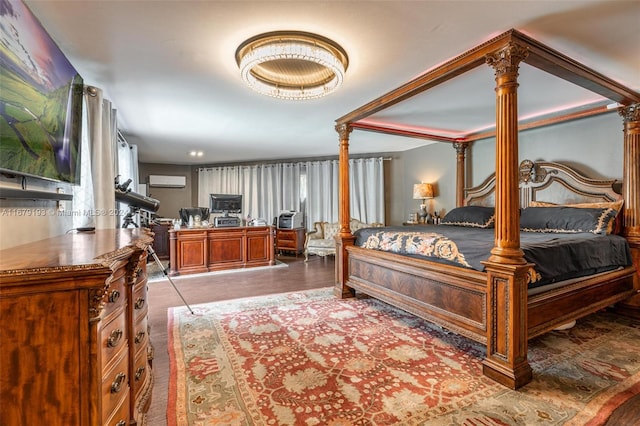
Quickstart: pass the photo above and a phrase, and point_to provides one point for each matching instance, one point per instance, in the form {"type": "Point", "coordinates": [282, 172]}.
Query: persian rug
{"type": "Point", "coordinates": [306, 358]}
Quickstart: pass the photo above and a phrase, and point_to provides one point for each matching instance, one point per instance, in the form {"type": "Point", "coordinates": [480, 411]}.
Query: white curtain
{"type": "Point", "coordinates": [267, 189]}
{"type": "Point", "coordinates": [127, 169]}
{"type": "Point", "coordinates": [310, 187]}
{"type": "Point", "coordinates": [366, 190]}
{"type": "Point", "coordinates": [322, 191]}
{"type": "Point", "coordinates": [101, 135]}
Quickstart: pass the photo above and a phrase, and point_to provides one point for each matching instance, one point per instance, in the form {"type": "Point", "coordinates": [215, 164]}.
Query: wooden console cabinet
{"type": "Point", "coordinates": [73, 330]}
{"type": "Point", "coordinates": [161, 239]}
{"type": "Point", "coordinates": [291, 240]}
{"type": "Point", "coordinates": [201, 250]}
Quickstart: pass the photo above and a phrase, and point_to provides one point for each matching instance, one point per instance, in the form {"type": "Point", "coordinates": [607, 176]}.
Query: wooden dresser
{"type": "Point", "coordinates": [74, 340]}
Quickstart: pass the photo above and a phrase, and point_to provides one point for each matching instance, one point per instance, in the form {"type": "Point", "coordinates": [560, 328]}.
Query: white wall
{"type": "Point", "coordinates": [24, 221]}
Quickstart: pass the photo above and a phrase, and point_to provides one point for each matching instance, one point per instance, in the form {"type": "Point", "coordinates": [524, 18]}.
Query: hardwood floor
{"type": "Point", "coordinates": [316, 273]}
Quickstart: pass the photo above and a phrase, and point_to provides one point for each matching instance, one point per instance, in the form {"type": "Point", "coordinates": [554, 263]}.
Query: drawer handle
{"type": "Point", "coordinates": [121, 423]}
{"type": "Point", "coordinates": [140, 336]}
{"type": "Point", "coordinates": [116, 386]}
{"type": "Point", "coordinates": [139, 373]}
{"type": "Point", "coordinates": [138, 272]}
{"type": "Point", "coordinates": [114, 338]}
{"type": "Point", "coordinates": [139, 303]}
{"type": "Point", "coordinates": [114, 296]}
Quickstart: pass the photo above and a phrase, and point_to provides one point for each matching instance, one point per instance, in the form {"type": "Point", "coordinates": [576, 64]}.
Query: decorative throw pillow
{"type": "Point", "coordinates": [471, 216]}
{"type": "Point", "coordinates": [562, 219]}
{"type": "Point", "coordinates": [614, 225]}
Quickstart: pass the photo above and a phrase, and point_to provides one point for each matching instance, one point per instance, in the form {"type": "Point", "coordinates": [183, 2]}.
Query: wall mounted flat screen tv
{"type": "Point", "coordinates": [226, 203]}
{"type": "Point", "coordinates": [40, 100]}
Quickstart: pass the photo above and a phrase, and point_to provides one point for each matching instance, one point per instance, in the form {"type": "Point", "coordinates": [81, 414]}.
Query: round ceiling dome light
{"type": "Point", "coordinates": [292, 64]}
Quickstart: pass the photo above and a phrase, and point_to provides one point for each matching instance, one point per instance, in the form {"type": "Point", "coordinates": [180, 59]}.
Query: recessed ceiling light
{"type": "Point", "coordinates": [292, 64]}
{"type": "Point", "coordinates": [196, 153]}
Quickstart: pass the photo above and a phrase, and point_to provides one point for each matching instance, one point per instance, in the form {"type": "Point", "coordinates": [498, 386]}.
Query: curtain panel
{"type": "Point", "coordinates": [309, 187]}
{"type": "Point", "coordinates": [94, 199]}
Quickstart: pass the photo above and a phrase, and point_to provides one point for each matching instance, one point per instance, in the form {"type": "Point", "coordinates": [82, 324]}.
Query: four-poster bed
{"type": "Point", "coordinates": [493, 306]}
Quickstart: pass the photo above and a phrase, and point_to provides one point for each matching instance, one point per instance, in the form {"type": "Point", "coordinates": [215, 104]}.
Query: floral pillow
{"type": "Point", "coordinates": [471, 216]}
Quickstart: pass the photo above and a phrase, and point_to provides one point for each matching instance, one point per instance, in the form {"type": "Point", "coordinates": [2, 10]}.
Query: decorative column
{"type": "Point", "coordinates": [461, 181]}
{"type": "Point", "coordinates": [344, 237]}
{"type": "Point", "coordinates": [631, 193]}
{"type": "Point", "coordinates": [506, 360]}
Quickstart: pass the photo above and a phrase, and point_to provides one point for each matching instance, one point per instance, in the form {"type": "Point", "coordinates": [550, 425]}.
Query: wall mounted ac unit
{"type": "Point", "coordinates": [167, 181]}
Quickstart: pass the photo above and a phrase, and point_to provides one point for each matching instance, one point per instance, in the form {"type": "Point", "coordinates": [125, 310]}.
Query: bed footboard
{"type": "Point", "coordinates": [552, 308]}
{"type": "Point", "coordinates": [454, 298]}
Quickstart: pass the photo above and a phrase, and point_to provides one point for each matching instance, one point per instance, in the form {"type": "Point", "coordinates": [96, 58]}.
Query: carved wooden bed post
{"type": "Point", "coordinates": [461, 181]}
{"type": "Point", "coordinates": [344, 237]}
{"type": "Point", "coordinates": [506, 360]}
{"type": "Point", "coordinates": [631, 194]}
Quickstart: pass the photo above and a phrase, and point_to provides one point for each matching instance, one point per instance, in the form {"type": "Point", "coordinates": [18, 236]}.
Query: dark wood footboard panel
{"type": "Point", "coordinates": [454, 298]}
{"type": "Point", "coordinates": [559, 306]}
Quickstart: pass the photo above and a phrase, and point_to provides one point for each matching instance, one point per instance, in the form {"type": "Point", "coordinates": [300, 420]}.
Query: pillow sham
{"type": "Point", "coordinates": [562, 219]}
{"type": "Point", "coordinates": [615, 226]}
{"type": "Point", "coordinates": [470, 216]}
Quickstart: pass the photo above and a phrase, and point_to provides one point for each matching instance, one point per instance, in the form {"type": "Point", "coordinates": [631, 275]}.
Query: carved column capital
{"type": "Point", "coordinates": [460, 147]}
{"type": "Point", "coordinates": [507, 60]}
{"type": "Point", "coordinates": [343, 131]}
{"type": "Point", "coordinates": [630, 113]}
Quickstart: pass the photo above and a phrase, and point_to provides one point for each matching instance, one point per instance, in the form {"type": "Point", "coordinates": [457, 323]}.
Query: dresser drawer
{"type": "Point", "coordinates": [284, 244]}
{"type": "Point", "coordinates": [115, 385]}
{"type": "Point", "coordinates": [139, 301]}
{"type": "Point", "coordinates": [286, 235]}
{"type": "Point", "coordinates": [113, 336]}
{"type": "Point", "coordinates": [140, 334]}
{"type": "Point", "coordinates": [140, 373]}
{"type": "Point", "coordinates": [115, 296]}
{"type": "Point", "coordinates": [120, 416]}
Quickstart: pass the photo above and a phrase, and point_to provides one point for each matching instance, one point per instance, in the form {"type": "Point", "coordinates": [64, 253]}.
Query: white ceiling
{"type": "Point", "coordinates": [169, 67]}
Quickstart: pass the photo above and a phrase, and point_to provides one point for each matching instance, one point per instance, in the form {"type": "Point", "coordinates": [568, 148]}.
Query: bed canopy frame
{"type": "Point", "coordinates": [506, 301]}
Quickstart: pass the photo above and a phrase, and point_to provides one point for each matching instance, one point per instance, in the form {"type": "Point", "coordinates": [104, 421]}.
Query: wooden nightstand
{"type": "Point", "coordinates": [291, 240]}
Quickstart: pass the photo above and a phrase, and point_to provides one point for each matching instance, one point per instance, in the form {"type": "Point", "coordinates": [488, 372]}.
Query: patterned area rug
{"type": "Point", "coordinates": [306, 358]}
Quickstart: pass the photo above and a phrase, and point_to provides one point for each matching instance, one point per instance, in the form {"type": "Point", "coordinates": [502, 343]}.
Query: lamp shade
{"type": "Point", "coordinates": [422, 191]}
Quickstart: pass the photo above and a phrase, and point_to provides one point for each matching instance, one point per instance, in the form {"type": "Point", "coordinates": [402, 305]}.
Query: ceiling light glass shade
{"type": "Point", "coordinates": [292, 64]}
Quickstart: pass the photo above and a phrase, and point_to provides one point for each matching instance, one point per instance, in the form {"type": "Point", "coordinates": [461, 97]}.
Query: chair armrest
{"type": "Point", "coordinates": [308, 235]}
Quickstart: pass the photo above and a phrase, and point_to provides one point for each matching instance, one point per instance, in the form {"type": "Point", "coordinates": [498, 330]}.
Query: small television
{"type": "Point", "coordinates": [40, 99]}
{"type": "Point", "coordinates": [226, 203]}
{"type": "Point", "coordinates": [185, 212]}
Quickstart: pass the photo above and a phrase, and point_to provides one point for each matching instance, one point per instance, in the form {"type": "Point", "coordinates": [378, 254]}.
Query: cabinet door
{"type": "Point", "coordinates": [226, 249]}
{"type": "Point", "coordinates": [259, 246]}
{"type": "Point", "coordinates": [191, 256]}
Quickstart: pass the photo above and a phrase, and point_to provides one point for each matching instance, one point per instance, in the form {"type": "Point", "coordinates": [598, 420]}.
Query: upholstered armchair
{"type": "Point", "coordinates": [321, 240]}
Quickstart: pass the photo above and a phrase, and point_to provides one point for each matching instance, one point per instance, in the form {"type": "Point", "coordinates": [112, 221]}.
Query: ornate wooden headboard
{"type": "Point", "coordinates": [550, 182]}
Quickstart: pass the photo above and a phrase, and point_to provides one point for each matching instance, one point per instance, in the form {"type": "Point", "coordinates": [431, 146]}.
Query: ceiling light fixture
{"type": "Point", "coordinates": [292, 64]}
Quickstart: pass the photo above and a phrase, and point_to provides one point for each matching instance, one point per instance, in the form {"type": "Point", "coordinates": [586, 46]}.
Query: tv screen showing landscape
{"type": "Point", "coordinates": [40, 100]}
